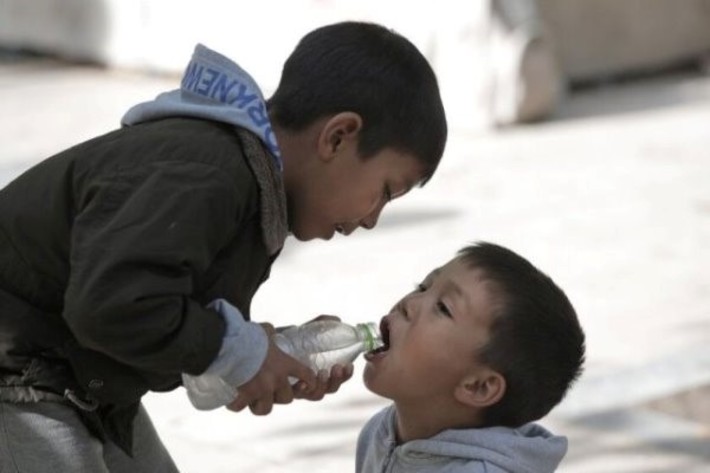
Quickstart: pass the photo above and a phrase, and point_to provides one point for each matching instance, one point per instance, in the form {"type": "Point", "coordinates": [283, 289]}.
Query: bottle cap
{"type": "Point", "coordinates": [372, 335]}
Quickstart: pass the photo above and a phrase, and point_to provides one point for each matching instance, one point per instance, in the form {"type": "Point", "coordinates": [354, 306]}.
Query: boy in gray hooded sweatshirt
{"type": "Point", "coordinates": [483, 347]}
{"type": "Point", "coordinates": [130, 261]}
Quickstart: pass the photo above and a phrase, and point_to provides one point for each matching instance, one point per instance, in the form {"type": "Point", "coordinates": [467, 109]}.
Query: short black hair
{"type": "Point", "coordinates": [370, 70]}
{"type": "Point", "coordinates": [536, 341]}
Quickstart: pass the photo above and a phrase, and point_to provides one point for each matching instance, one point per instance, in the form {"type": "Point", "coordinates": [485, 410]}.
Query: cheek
{"type": "Point", "coordinates": [329, 203]}
{"type": "Point", "coordinates": [435, 358]}
{"type": "Point", "coordinates": [300, 222]}
{"type": "Point", "coordinates": [426, 359]}
{"type": "Point", "coordinates": [313, 212]}
{"type": "Point", "coordinates": [352, 199]}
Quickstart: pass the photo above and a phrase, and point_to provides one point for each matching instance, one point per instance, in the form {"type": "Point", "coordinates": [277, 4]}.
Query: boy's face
{"type": "Point", "coordinates": [346, 192]}
{"type": "Point", "coordinates": [435, 333]}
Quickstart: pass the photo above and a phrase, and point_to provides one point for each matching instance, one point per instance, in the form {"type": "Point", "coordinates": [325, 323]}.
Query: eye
{"type": "Point", "coordinates": [387, 193]}
{"type": "Point", "coordinates": [441, 307]}
{"type": "Point", "coordinates": [419, 287]}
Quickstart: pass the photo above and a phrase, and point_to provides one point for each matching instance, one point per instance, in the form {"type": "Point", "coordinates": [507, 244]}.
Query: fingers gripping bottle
{"type": "Point", "coordinates": [319, 345]}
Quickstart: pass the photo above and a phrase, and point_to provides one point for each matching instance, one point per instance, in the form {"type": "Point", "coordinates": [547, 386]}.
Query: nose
{"type": "Point", "coordinates": [407, 306]}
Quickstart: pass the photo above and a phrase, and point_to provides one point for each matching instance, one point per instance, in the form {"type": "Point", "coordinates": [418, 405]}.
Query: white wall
{"type": "Point", "coordinates": [479, 56]}
{"type": "Point", "coordinates": [159, 35]}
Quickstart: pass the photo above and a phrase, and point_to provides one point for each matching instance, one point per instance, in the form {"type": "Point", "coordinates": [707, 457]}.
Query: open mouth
{"type": "Point", "coordinates": [382, 350]}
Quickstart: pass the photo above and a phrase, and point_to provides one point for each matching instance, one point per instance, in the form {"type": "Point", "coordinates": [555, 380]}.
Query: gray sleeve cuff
{"type": "Point", "coordinates": [243, 348]}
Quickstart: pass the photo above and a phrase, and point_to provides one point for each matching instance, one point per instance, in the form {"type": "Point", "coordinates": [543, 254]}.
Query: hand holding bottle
{"type": "Point", "coordinates": [327, 382]}
{"type": "Point", "coordinates": [271, 383]}
{"type": "Point", "coordinates": [316, 357]}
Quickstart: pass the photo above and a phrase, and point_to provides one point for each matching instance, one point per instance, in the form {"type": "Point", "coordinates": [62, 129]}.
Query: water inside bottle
{"type": "Point", "coordinates": [323, 344]}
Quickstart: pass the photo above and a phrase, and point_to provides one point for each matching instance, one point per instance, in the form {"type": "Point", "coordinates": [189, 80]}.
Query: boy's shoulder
{"type": "Point", "coordinates": [196, 137]}
{"type": "Point", "coordinates": [493, 449]}
{"type": "Point", "coordinates": [380, 425]}
{"type": "Point", "coordinates": [192, 141]}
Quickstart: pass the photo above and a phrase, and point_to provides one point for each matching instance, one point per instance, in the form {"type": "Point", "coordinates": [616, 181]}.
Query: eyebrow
{"type": "Point", "coordinates": [456, 288]}
{"type": "Point", "coordinates": [463, 300]}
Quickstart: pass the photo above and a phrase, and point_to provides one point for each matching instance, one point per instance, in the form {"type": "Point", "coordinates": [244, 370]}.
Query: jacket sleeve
{"type": "Point", "coordinates": [138, 241]}
{"type": "Point", "coordinates": [235, 363]}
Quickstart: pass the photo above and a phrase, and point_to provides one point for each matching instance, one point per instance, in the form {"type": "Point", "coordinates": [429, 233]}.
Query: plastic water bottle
{"type": "Point", "coordinates": [319, 345]}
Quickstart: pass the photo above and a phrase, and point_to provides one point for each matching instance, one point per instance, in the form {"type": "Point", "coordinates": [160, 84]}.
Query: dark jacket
{"type": "Point", "coordinates": [109, 252]}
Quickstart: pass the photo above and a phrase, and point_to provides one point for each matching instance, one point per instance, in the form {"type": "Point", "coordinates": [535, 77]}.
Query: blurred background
{"type": "Point", "coordinates": [580, 138]}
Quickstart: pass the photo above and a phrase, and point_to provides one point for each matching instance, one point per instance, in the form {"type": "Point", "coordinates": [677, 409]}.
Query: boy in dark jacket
{"type": "Point", "coordinates": [482, 347]}
{"type": "Point", "coordinates": [130, 260]}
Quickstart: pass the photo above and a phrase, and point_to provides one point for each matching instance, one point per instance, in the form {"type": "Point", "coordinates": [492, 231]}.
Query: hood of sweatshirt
{"type": "Point", "coordinates": [527, 449]}
{"type": "Point", "coordinates": [213, 88]}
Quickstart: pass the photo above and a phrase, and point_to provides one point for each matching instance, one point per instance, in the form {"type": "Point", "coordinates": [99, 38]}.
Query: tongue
{"type": "Point", "coordinates": [381, 349]}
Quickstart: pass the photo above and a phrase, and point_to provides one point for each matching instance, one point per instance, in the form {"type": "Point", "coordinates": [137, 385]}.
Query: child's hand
{"type": "Point", "coordinates": [325, 384]}
{"type": "Point", "coordinates": [271, 385]}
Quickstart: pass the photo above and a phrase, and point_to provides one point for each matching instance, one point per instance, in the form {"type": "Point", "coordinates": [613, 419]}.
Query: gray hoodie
{"type": "Point", "coordinates": [528, 449]}
{"type": "Point", "coordinates": [214, 88]}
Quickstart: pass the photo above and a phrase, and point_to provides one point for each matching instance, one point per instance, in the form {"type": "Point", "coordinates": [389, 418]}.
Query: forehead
{"type": "Point", "coordinates": [457, 269]}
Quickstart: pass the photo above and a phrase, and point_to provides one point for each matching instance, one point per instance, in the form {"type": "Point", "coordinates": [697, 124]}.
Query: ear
{"type": "Point", "coordinates": [481, 390]}
{"type": "Point", "coordinates": [340, 130]}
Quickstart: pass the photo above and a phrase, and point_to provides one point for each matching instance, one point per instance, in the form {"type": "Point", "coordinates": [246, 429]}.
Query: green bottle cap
{"type": "Point", "coordinates": [371, 334]}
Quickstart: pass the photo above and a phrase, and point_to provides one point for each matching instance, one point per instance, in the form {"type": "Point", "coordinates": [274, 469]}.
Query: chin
{"type": "Point", "coordinates": [369, 378]}
{"type": "Point", "coordinates": [300, 238]}
{"type": "Point", "coordinates": [302, 234]}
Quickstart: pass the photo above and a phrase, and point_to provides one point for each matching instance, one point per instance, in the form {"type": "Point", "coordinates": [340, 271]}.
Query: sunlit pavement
{"type": "Point", "coordinates": [612, 199]}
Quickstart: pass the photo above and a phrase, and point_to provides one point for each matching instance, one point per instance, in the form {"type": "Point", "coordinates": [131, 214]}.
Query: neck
{"type": "Point", "coordinates": [292, 155]}
{"type": "Point", "coordinates": [414, 422]}
{"type": "Point", "coordinates": [298, 149]}
{"type": "Point", "coordinates": [296, 145]}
